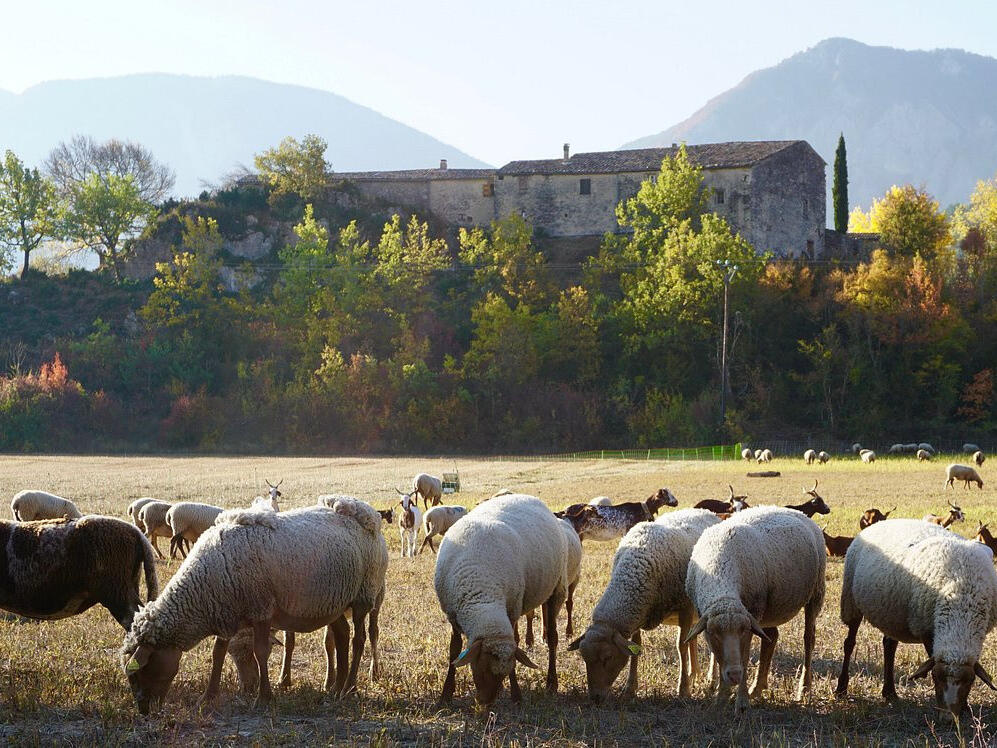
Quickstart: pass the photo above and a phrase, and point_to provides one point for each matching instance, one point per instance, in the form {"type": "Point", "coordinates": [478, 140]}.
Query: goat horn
{"type": "Point", "coordinates": [279, 482]}
{"type": "Point", "coordinates": [401, 493]}
{"type": "Point", "coordinates": [696, 630]}
{"type": "Point", "coordinates": [268, 483]}
{"type": "Point", "coordinates": [983, 675]}
{"type": "Point", "coordinates": [815, 485]}
{"type": "Point", "coordinates": [731, 491]}
{"type": "Point", "coordinates": [890, 512]}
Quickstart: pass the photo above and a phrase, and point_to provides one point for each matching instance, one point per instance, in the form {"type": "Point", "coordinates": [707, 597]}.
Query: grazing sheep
{"type": "Point", "coordinates": [969, 448]}
{"type": "Point", "coordinates": [187, 521]}
{"type": "Point", "coordinates": [926, 447]}
{"type": "Point", "coordinates": [601, 501]}
{"type": "Point", "coordinates": [732, 504]}
{"type": "Point", "coordinates": [836, 545]}
{"type": "Point", "coordinates": [856, 448]}
{"type": "Point", "coordinates": [747, 454]}
{"type": "Point", "coordinates": [955, 515]}
{"type": "Point", "coordinates": [814, 505]}
{"type": "Point", "coordinates": [612, 522]}
{"type": "Point", "coordinates": [910, 448]}
{"type": "Point", "coordinates": [964, 473]}
{"type": "Point", "coordinates": [896, 449]}
{"type": "Point", "coordinates": [749, 575]}
{"type": "Point", "coordinates": [809, 456]}
{"type": "Point", "coordinates": [506, 557]}
{"type": "Point", "coordinates": [916, 582]}
{"type": "Point", "coordinates": [984, 536]}
{"type": "Point", "coordinates": [437, 521]}
{"type": "Point", "coordinates": [134, 508]}
{"type": "Point", "coordinates": [574, 574]}
{"type": "Point", "coordinates": [408, 524]}
{"type": "Point", "coordinates": [978, 458]}
{"type": "Point", "coordinates": [823, 457]}
{"type": "Point", "coordinates": [30, 505]}
{"type": "Point", "coordinates": [646, 588]}
{"type": "Point", "coordinates": [152, 520]}
{"type": "Point", "coordinates": [765, 456]}
{"type": "Point", "coordinates": [238, 574]}
{"type": "Point", "coordinates": [54, 569]}
{"type": "Point", "coordinates": [872, 516]}
{"type": "Point", "coordinates": [758, 455]}
{"type": "Point", "coordinates": [924, 455]}
{"type": "Point", "coordinates": [868, 456]}
{"type": "Point", "coordinates": [429, 487]}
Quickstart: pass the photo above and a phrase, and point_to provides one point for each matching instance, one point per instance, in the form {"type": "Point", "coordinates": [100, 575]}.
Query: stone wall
{"type": "Point", "coordinates": [788, 209]}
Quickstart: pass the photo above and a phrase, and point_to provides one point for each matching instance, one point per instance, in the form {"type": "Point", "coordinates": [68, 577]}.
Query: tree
{"type": "Point", "coordinates": [909, 222]}
{"type": "Point", "coordinates": [70, 164]}
{"type": "Point", "coordinates": [295, 167]}
{"type": "Point", "coordinates": [27, 208]}
{"type": "Point", "coordinates": [100, 212]}
{"type": "Point", "coordinates": [504, 261]}
{"type": "Point", "coordinates": [839, 190]}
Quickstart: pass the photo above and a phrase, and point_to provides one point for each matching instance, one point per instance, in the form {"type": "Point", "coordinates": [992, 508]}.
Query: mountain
{"type": "Point", "coordinates": [205, 127]}
{"type": "Point", "coordinates": [924, 118]}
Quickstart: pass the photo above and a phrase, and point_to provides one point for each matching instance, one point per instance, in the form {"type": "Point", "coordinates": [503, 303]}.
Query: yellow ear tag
{"type": "Point", "coordinates": [634, 648]}
{"type": "Point", "coordinates": [132, 666]}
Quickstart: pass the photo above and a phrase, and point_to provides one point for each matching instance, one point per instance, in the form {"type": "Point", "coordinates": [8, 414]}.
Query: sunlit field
{"type": "Point", "coordinates": [61, 681]}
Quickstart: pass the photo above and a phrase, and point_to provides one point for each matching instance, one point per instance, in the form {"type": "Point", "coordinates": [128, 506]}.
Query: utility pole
{"type": "Point", "coordinates": [729, 270]}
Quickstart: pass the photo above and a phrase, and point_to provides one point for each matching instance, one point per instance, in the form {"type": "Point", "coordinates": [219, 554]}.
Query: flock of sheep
{"type": "Point", "coordinates": [723, 569]}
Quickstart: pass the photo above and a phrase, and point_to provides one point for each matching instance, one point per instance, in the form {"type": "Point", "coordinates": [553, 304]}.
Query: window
{"type": "Point", "coordinates": [810, 248]}
{"type": "Point", "coordinates": [524, 183]}
{"type": "Point", "coordinates": [718, 196]}
{"type": "Point", "coordinates": [584, 186]}
{"type": "Point", "coordinates": [487, 189]}
{"type": "Point", "coordinates": [806, 208]}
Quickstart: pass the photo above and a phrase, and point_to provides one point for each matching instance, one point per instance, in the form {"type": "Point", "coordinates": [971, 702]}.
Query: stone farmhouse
{"type": "Point", "coordinates": [771, 192]}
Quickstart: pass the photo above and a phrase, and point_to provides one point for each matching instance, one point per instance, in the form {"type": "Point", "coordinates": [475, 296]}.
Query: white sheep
{"type": "Point", "coordinates": [765, 456]}
{"type": "Point", "coordinates": [574, 575]}
{"type": "Point", "coordinates": [408, 525]}
{"type": "Point", "coordinates": [135, 507]}
{"type": "Point", "coordinates": [438, 520]}
{"type": "Point", "coordinates": [978, 458]}
{"type": "Point", "coordinates": [758, 455]}
{"type": "Point", "coordinates": [964, 473]}
{"type": "Point", "coordinates": [297, 570]}
{"type": "Point", "coordinates": [506, 557]}
{"type": "Point", "coordinates": [188, 520]}
{"type": "Point", "coordinates": [29, 505]}
{"type": "Point", "coordinates": [601, 501]}
{"type": "Point", "coordinates": [429, 487]}
{"type": "Point", "coordinates": [924, 455]}
{"type": "Point", "coordinates": [867, 456]}
{"type": "Point", "coordinates": [646, 588]}
{"type": "Point", "coordinates": [746, 454]}
{"type": "Point", "coordinates": [823, 457]}
{"type": "Point", "coordinates": [856, 448]}
{"type": "Point", "coordinates": [750, 574]}
{"type": "Point", "coordinates": [54, 570]}
{"type": "Point", "coordinates": [809, 456]}
{"type": "Point", "coordinates": [917, 582]}
{"type": "Point", "coordinates": [926, 447]}
{"type": "Point", "coordinates": [152, 521]}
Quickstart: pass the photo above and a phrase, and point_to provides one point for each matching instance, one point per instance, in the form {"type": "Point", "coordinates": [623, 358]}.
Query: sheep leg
{"type": "Point", "coordinates": [741, 702]}
{"type": "Point", "coordinates": [809, 639]}
{"type": "Point", "coordinates": [261, 648]}
{"type": "Point", "coordinates": [154, 542]}
{"type": "Point", "coordinates": [550, 610]}
{"type": "Point", "coordinates": [341, 634]}
{"type": "Point", "coordinates": [285, 662]}
{"type": "Point", "coordinates": [765, 662]}
{"type": "Point", "coordinates": [359, 640]}
{"type": "Point", "coordinates": [529, 628]}
{"type": "Point", "coordinates": [514, 693]}
{"type": "Point", "coordinates": [569, 606]}
{"type": "Point", "coordinates": [374, 633]}
{"type": "Point", "coordinates": [427, 539]}
{"type": "Point", "coordinates": [214, 682]}
{"type": "Point", "coordinates": [456, 644]}
{"type": "Point", "coordinates": [334, 671]}
{"type": "Point", "coordinates": [630, 687]}
{"type": "Point", "coordinates": [842, 689]}
{"type": "Point", "coordinates": [685, 670]}
{"type": "Point", "coordinates": [889, 658]}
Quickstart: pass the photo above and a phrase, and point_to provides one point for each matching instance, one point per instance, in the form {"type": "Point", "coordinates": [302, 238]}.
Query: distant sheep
{"type": "Point", "coordinates": [868, 456]}
{"type": "Point", "coordinates": [30, 505]}
{"type": "Point", "coordinates": [747, 454]}
{"type": "Point", "coordinates": [924, 455]}
{"type": "Point", "coordinates": [188, 520]}
{"type": "Point", "coordinates": [896, 449]}
{"type": "Point", "coordinates": [134, 508]}
{"type": "Point", "coordinates": [823, 457]}
{"type": "Point", "coordinates": [965, 473]}
{"type": "Point", "coordinates": [926, 447]}
{"type": "Point", "coordinates": [969, 448]}
{"type": "Point", "coordinates": [152, 521]}
{"type": "Point", "coordinates": [810, 456]}
{"type": "Point", "coordinates": [437, 521]}
{"type": "Point", "coordinates": [978, 458]}
{"type": "Point", "coordinates": [765, 456]}
{"type": "Point", "coordinates": [429, 487]}
{"type": "Point", "coordinates": [856, 448]}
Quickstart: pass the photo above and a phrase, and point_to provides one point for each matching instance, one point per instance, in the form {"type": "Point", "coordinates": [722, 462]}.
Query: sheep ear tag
{"type": "Point", "coordinates": [132, 666]}
{"type": "Point", "coordinates": [634, 648]}
{"type": "Point", "coordinates": [469, 655]}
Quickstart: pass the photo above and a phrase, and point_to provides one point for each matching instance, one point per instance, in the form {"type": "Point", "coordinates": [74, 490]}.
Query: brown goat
{"type": "Point", "coordinates": [872, 516]}
{"type": "Point", "coordinates": [733, 503]}
{"type": "Point", "coordinates": [955, 515]}
{"type": "Point", "coordinates": [983, 535]}
{"type": "Point", "coordinates": [836, 545]}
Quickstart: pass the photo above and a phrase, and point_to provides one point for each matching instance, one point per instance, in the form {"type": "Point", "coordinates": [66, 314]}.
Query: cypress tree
{"type": "Point", "coordinates": [839, 189]}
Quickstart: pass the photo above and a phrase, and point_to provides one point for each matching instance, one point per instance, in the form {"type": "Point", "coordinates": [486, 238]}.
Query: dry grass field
{"type": "Point", "coordinates": [61, 682]}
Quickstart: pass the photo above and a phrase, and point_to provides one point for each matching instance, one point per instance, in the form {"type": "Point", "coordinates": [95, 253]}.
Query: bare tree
{"type": "Point", "coordinates": [70, 164]}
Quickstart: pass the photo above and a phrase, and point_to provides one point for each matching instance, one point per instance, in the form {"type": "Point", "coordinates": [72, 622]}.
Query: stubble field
{"type": "Point", "coordinates": [61, 681]}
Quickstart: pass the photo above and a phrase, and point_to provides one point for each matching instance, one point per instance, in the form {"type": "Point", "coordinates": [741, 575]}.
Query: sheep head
{"type": "Point", "coordinates": [150, 674]}
{"type": "Point", "coordinates": [491, 660]}
{"type": "Point", "coordinates": [953, 681]}
{"type": "Point", "coordinates": [605, 651]}
{"type": "Point", "coordinates": [727, 633]}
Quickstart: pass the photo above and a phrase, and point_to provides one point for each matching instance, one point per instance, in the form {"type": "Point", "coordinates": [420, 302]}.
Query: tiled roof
{"type": "Point", "coordinates": [415, 174]}
{"type": "Point", "coordinates": [707, 155]}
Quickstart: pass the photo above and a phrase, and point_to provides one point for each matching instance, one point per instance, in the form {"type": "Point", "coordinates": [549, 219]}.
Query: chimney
{"type": "Point", "coordinates": [675, 145]}
{"type": "Point", "coordinates": [567, 148]}
{"type": "Point", "coordinates": [443, 164]}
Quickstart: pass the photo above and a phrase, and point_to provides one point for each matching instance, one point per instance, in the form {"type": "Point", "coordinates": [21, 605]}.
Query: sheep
{"type": "Point", "coordinates": [964, 473]}
{"type": "Point", "coordinates": [910, 448]}
{"type": "Point", "coordinates": [924, 455]}
{"type": "Point", "coordinates": [747, 454]}
{"type": "Point", "coordinates": [955, 515]}
{"type": "Point", "coordinates": [508, 556]}
{"type": "Point", "coordinates": [601, 501]}
{"type": "Point", "coordinates": [297, 570]}
{"type": "Point", "coordinates": [611, 522]}
{"type": "Point", "coordinates": [134, 508]}
{"type": "Point", "coordinates": [749, 575]}
{"type": "Point", "coordinates": [29, 505]}
{"type": "Point", "coordinates": [152, 521]}
{"type": "Point", "coordinates": [872, 516]}
{"type": "Point", "coordinates": [916, 582]}
{"type": "Point", "coordinates": [429, 487]}
{"type": "Point", "coordinates": [978, 458]}
{"type": "Point", "coordinates": [926, 447]}
{"type": "Point", "coordinates": [764, 455]}
{"type": "Point", "coordinates": [969, 448]}
{"type": "Point", "coordinates": [868, 456]}
{"type": "Point", "coordinates": [823, 457]}
{"type": "Point", "coordinates": [732, 504]}
{"type": "Point", "coordinates": [187, 521]}
{"type": "Point", "coordinates": [437, 521]}
{"type": "Point", "coordinates": [408, 524]}
{"type": "Point", "coordinates": [983, 535]}
{"type": "Point", "coordinates": [836, 545]}
{"type": "Point", "coordinates": [574, 574]}
{"type": "Point", "coordinates": [896, 449]}
{"type": "Point", "coordinates": [856, 448]}
{"type": "Point", "coordinates": [814, 505]}
{"type": "Point", "coordinates": [809, 456]}
{"type": "Point", "coordinates": [54, 569]}
{"type": "Point", "coordinates": [646, 588]}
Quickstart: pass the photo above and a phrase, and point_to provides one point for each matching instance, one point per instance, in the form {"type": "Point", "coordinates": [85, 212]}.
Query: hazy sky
{"type": "Point", "coordinates": [499, 80]}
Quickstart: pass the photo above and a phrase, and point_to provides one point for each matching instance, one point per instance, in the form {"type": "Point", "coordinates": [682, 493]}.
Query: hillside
{"type": "Point", "coordinates": [204, 127]}
{"type": "Point", "coordinates": [925, 118]}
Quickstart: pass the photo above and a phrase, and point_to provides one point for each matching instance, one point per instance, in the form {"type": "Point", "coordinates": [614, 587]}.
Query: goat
{"type": "Point", "coordinates": [872, 516]}
{"type": "Point", "coordinates": [611, 522]}
{"type": "Point", "coordinates": [955, 515]}
{"type": "Point", "coordinates": [836, 545]}
{"type": "Point", "coordinates": [733, 503]}
{"type": "Point", "coordinates": [815, 505]}
{"type": "Point", "coordinates": [983, 535]}
{"type": "Point", "coordinates": [408, 522]}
